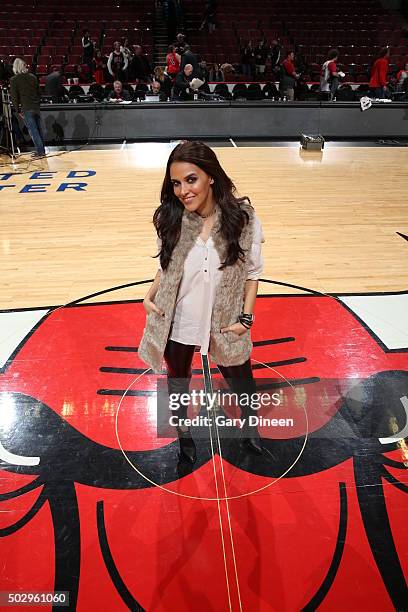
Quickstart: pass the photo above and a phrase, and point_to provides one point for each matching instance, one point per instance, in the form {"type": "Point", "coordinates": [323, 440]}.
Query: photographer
{"type": "Point", "coordinates": [25, 93]}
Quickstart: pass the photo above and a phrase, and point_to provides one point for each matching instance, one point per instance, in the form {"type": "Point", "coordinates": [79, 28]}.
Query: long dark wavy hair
{"type": "Point", "coordinates": [167, 217]}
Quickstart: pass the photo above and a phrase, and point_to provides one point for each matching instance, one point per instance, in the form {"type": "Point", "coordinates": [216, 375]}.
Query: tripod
{"type": "Point", "coordinates": [11, 148]}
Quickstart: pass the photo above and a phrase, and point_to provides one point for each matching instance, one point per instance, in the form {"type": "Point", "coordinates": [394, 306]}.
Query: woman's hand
{"type": "Point", "coordinates": [150, 306]}
{"type": "Point", "coordinates": [236, 328]}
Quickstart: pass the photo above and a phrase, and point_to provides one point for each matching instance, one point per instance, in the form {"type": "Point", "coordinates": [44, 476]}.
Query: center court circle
{"type": "Point", "coordinates": [219, 452]}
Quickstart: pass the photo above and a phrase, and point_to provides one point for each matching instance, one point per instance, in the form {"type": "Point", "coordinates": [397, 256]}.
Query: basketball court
{"type": "Point", "coordinates": [94, 502]}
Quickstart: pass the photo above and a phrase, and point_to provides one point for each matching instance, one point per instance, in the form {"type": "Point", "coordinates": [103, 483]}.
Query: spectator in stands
{"type": "Point", "coordinates": [128, 54]}
{"type": "Point", "coordinates": [330, 76]}
{"type": "Point", "coordinates": [402, 76]}
{"type": "Point", "coordinates": [126, 50]}
{"type": "Point", "coordinates": [378, 80]}
{"type": "Point", "coordinates": [140, 68]}
{"type": "Point", "coordinates": [180, 43]}
{"type": "Point", "coordinates": [248, 60]}
{"type": "Point", "coordinates": [216, 75]}
{"type": "Point", "coordinates": [173, 62]}
{"type": "Point", "coordinates": [166, 83]}
{"type": "Point", "coordinates": [79, 74]}
{"type": "Point", "coordinates": [228, 72]}
{"type": "Point", "coordinates": [182, 88]}
{"type": "Point", "coordinates": [261, 53]}
{"type": "Point", "coordinates": [25, 94]}
{"type": "Point", "coordinates": [99, 67]}
{"type": "Point", "coordinates": [288, 77]}
{"type": "Point", "coordinates": [203, 72]}
{"type": "Point", "coordinates": [119, 94]}
{"type": "Point", "coordinates": [275, 55]}
{"type": "Point", "coordinates": [54, 86]}
{"type": "Point", "coordinates": [87, 49]}
{"type": "Point", "coordinates": [300, 61]}
{"type": "Point", "coordinates": [210, 10]}
{"type": "Point", "coordinates": [117, 63]}
{"type": "Point", "coordinates": [189, 57]}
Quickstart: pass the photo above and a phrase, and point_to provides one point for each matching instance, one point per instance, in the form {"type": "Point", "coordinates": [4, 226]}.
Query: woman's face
{"type": "Point", "coordinates": [191, 185]}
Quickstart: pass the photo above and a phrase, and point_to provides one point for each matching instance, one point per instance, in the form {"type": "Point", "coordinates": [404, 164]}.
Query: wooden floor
{"type": "Point", "coordinates": [330, 220]}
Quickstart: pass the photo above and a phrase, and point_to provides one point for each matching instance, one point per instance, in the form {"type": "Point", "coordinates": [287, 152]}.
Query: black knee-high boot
{"type": "Point", "coordinates": [241, 381]}
{"type": "Point", "coordinates": [178, 358]}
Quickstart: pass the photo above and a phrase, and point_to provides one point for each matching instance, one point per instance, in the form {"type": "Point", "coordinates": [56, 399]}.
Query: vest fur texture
{"type": "Point", "coordinates": [226, 349]}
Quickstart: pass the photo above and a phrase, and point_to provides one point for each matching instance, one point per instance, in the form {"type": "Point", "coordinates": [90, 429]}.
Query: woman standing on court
{"type": "Point", "coordinates": [204, 292]}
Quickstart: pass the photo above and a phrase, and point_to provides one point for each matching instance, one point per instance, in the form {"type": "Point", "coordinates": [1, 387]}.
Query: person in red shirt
{"type": "Point", "coordinates": [288, 77]}
{"type": "Point", "coordinates": [173, 62]}
{"type": "Point", "coordinates": [378, 81]}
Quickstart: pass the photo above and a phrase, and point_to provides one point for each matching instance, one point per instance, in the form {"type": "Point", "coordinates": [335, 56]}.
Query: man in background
{"type": "Point", "coordinates": [54, 87]}
{"type": "Point", "coordinates": [288, 77]}
{"type": "Point", "coordinates": [275, 55]}
{"type": "Point", "coordinates": [25, 94]}
{"type": "Point", "coordinates": [182, 87]}
{"type": "Point", "coordinates": [87, 50]}
{"type": "Point", "coordinates": [330, 76]}
{"type": "Point", "coordinates": [188, 57]}
{"type": "Point", "coordinates": [119, 94]}
{"type": "Point", "coordinates": [155, 90]}
{"type": "Point", "coordinates": [140, 68]}
{"type": "Point", "coordinates": [379, 79]}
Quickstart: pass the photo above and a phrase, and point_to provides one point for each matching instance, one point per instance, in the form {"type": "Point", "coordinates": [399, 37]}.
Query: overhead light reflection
{"type": "Point", "coordinates": [7, 412]}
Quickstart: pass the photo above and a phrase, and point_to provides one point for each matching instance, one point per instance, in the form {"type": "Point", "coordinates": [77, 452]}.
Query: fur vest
{"type": "Point", "coordinates": [226, 349]}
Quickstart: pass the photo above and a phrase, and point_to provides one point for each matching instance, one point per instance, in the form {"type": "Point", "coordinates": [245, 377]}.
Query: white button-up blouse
{"type": "Point", "coordinates": [195, 299]}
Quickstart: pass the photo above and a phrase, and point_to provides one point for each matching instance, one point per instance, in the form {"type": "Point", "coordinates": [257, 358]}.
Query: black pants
{"type": "Point", "coordinates": [178, 358]}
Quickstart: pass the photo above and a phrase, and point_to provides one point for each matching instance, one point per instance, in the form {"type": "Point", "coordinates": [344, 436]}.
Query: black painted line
{"type": "Point", "coordinates": [395, 464]}
{"type": "Point", "coordinates": [116, 578]}
{"type": "Point", "coordinates": [369, 293]}
{"type": "Point", "coordinates": [92, 295]}
{"type": "Point", "coordinates": [122, 370]}
{"type": "Point", "coordinates": [105, 303]}
{"type": "Point", "coordinates": [274, 341]}
{"type": "Point", "coordinates": [38, 482]}
{"type": "Point", "coordinates": [258, 366]}
{"type": "Point", "coordinates": [124, 349]}
{"type": "Point", "coordinates": [327, 583]}
{"type": "Point", "coordinates": [311, 291]}
{"type": "Point", "coordinates": [28, 309]}
{"type": "Point", "coordinates": [402, 235]}
{"type": "Point", "coordinates": [376, 520]}
{"type": "Point", "coordinates": [289, 383]}
{"type": "Point", "coordinates": [271, 364]}
{"type": "Point", "coordinates": [18, 348]}
{"type": "Point", "coordinates": [63, 503]}
{"type": "Point", "coordinates": [394, 481]}
{"type": "Point", "coordinates": [134, 349]}
{"type": "Point", "coordinates": [36, 507]}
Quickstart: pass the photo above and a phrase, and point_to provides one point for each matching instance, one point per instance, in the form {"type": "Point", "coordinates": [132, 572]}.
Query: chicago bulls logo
{"type": "Point", "coordinates": [132, 528]}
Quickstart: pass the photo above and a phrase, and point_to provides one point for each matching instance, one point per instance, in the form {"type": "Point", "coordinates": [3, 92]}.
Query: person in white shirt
{"type": "Point", "coordinates": [330, 76]}
{"type": "Point", "coordinates": [117, 63]}
{"type": "Point", "coordinates": [209, 265]}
